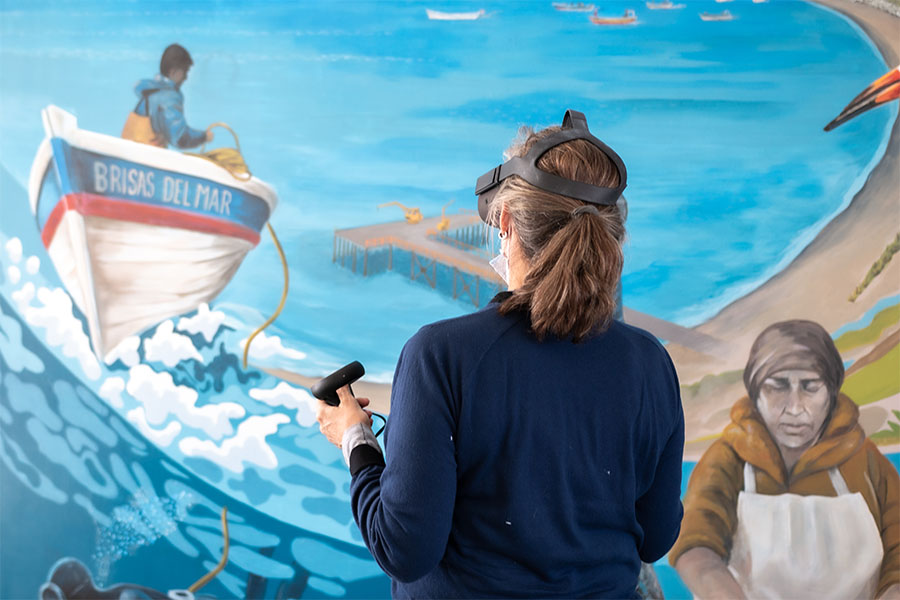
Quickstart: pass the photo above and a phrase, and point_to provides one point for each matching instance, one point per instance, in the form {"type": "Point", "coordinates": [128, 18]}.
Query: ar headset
{"type": "Point", "coordinates": [574, 127]}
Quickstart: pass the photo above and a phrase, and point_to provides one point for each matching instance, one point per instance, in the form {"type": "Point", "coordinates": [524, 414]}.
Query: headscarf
{"type": "Point", "coordinates": [793, 344]}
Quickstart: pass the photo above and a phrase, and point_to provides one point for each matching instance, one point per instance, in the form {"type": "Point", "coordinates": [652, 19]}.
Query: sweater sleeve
{"type": "Point", "coordinates": [172, 123]}
{"type": "Point", "coordinates": [886, 484]}
{"type": "Point", "coordinates": [659, 510]}
{"type": "Point", "coordinates": [710, 504]}
{"type": "Point", "coordinates": [405, 509]}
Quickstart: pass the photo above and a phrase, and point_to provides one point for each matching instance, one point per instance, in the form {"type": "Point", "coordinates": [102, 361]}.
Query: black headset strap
{"type": "Point", "coordinates": [574, 127]}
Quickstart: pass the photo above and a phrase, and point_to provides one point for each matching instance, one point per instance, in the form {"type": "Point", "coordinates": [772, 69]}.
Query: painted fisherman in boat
{"type": "Point", "coordinates": [158, 118]}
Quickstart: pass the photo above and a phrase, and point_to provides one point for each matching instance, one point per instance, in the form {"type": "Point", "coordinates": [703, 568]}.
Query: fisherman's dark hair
{"type": "Point", "coordinates": [174, 57]}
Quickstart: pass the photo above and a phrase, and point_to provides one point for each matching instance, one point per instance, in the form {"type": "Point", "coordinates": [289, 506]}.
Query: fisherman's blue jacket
{"type": "Point", "coordinates": [520, 468]}
{"type": "Point", "coordinates": [165, 106]}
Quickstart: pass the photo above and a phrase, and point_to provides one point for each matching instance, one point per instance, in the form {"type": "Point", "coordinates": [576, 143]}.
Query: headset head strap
{"type": "Point", "coordinates": [574, 127]}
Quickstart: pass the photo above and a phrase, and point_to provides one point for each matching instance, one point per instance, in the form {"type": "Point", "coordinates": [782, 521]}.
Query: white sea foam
{"type": "Point", "coordinates": [265, 346]}
{"type": "Point", "coordinates": [111, 391]}
{"type": "Point", "coordinates": [64, 330]}
{"type": "Point", "coordinates": [12, 349]}
{"type": "Point", "coordinates": [23, 296]}
{"type": "Point", "coordinates": [32, 265]}
{"type": "Point", "coordinates": [168, 347]}
{"type": "Point", "coordinates": [14, 249]}
{"type": "Point", "coordinates": [248, 445]}
{"type": "Point", "coordinates": [161, 398]}
{"type": "Point", "coordinates": [160, 437]}
{"type": "Point", "coordinates": [289, 396]}
{"type": "Point", "coordinates": [126, 351]}
{"type": "Point", "coordinates": [205, 321]}
{"type": "Point", "coordinates": [14, 274]}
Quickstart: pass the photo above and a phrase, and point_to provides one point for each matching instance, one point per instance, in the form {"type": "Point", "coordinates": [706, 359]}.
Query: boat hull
{"type": "Point", "coordinates": [139, 234]}
{"type": "Point", "coordinates": [613, 20]}
{"type": "Point", "coordinates": [437, 15]}
{"type": "Point", "coordinates": [142, 274]}
{"type": "Point", "coordinates": [567, 7]}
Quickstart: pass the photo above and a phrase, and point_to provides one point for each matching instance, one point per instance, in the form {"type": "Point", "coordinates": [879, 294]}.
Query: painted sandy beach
{"type": "Point", "coordinates": [816, 284]}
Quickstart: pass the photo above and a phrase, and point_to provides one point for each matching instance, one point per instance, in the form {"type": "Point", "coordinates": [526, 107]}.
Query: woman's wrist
{"type": "Point", "coordinates": [358, 435]}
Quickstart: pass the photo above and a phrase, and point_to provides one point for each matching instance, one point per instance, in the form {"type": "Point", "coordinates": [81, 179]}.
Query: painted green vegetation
{"type": "Point", "coordinates": [710, 384]}
{"type": "Point", "coordinates": [869, 334]}
{"type": "Point", "coordinates": [877, 380]}
{"type": "Point", "coordinates": [880, 378]}
{"type": "Point", "coordinates": [890, 435]}
{"type": "Point", "coordinates": [877, 267]}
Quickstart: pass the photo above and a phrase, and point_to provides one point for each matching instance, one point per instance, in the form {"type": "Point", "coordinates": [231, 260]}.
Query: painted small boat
{"type": "Point", "coordinates": [760, 1]}
{"type": "Point", "coordinates": [665, 5]}
{"type": "Point", "coordinates": [573, 6]}
{"type": "Point", "coordinates": [722, 16]}
{"type": "Point", "coordinates": [437, 15]}
{"type": "Point", "coordinates": [723, 1]}
{"type": "Point", "coordinates": [626, 19]}
{"type": "Point", "coordinates": [137, 233]}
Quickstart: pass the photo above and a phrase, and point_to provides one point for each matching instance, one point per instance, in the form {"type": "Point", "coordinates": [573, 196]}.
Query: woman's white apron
{"type": "Point", "coordinates": [792, 546]}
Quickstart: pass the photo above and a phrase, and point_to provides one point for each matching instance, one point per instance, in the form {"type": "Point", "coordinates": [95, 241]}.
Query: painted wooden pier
{"type": "Point", "coordinates": [458, 251]}
{"type": "Point", "coordinates": [456, 247]}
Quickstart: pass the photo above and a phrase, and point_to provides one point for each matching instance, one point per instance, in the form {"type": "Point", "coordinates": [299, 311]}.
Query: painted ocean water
{"type": "Point", "coordinates": [342, 107]}
{"type": "Point", "coordinates": [348, 105]}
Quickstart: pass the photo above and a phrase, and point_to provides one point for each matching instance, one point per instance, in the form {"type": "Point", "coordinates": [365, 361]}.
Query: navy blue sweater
{"type": "Point", "coordinates": [523, 468]}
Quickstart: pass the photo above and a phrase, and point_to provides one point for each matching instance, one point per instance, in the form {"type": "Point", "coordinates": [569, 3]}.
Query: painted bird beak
{"type": "Point", "coordinates": [883, 89]}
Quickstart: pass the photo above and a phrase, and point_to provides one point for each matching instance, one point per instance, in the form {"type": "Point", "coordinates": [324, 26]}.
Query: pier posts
{"type": "Point", "coordinates": [453, 260]}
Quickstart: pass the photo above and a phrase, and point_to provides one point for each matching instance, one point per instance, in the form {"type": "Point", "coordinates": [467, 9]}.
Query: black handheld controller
{"type": "Point", "coordinates": [326, 388]}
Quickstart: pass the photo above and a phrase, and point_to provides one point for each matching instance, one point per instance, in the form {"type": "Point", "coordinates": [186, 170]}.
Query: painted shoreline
{"type": "Point", "coordinates": [817, 283]}
{"type": "Point", "coordinates": [814, 285]}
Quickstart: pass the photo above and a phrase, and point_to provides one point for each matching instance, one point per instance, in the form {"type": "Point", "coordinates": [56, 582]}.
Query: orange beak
{"type": "Point", "coordinates": [883, 89]}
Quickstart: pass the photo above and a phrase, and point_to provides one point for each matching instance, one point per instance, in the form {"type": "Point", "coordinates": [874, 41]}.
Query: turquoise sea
{"type": "Point", "coordinates": [343, 106]}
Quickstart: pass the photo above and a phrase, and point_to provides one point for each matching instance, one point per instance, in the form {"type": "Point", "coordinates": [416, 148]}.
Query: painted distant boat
{"type": "Point", "coordinates": [722, 16]}
{"type": "Point", "coordinates": [666, 5]}
{"type": "Point", "coordinates": [723, 1]}
{"type": "Point", "coordinates": [137, 233]}
{"type": "Point", "coordinates": [436, 15]}
{"type": "Point", "coordinates": [573, 6]}
{"type": "Point", "coordinates": [626, 19]}
{"type": "Point", "coordinates": [760, 1]}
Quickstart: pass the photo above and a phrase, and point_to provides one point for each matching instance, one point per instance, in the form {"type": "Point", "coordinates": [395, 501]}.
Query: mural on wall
{"type": "Point", "coordinates": [158, 337]}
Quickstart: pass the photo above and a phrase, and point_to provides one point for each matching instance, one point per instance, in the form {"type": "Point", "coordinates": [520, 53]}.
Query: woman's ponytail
{"type": "Point", "coordinates": [574, 252]}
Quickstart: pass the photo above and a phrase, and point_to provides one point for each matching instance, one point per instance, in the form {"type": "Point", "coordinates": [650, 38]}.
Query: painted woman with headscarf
{"type": "Point", "coordinates": [793, 501]}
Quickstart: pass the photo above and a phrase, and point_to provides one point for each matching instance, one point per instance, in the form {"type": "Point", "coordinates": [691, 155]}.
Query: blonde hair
{"type": "Point", "coordinates": [575, 261]}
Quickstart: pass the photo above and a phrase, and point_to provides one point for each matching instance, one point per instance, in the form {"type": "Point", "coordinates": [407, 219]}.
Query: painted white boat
{"type": "Point", "coordinates": [665, 5]}
{"type": "Point", "coordinates": [573, 7]}
{"type": "Point", "coordinates": [437, 15]}
{"type": "Point", "coordinates": [137, 233]}
{"type": "Point", "coordinates": [722, 16]}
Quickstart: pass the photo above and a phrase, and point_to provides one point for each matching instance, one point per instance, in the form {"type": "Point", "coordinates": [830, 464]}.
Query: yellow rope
{"type": "Point", "coordinates": [284, 294]}
{"type": "Point", "coordinates": [206, 578]}
{"type": "Point", "coordinates": [231, 160]}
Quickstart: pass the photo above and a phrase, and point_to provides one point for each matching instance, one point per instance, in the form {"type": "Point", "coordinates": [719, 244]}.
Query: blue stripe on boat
{"type": "Point", "coordinates": [84, 171]}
